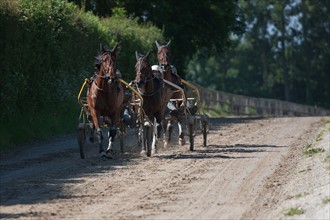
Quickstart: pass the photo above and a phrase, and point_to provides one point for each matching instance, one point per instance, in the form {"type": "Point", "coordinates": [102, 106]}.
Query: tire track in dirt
{"type": "Point", "coordinates": [221, 181]}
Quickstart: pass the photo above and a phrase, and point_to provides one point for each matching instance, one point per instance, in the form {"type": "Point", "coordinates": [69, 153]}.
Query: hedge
{"type": "Point", "coordinates": [48, 47]}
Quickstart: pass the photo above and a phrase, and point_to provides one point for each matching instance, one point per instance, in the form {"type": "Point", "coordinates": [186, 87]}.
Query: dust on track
{"type": "Point", "coordinates": [225, 180]}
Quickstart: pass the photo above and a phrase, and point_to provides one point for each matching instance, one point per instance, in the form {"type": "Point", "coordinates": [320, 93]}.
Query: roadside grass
{"type": "Point", "coordinates": [294, 211]}
{"type": "Point", "coordinates": [326, 200]}
{"type": "Point", "coordinates": [305, 170]}
{"type": "Point", "coordinates": [215, 111]}
{"type": "Point", "coordinates": [24, 128]}
{"type": "Point", "coordinates": [299, 195]}
{"type": "Point", "coordinates": [310, 151]}
{"type": "Point", "coordinates": [320, 136]}
{"type": "Point", "coordinates": [327, 161]}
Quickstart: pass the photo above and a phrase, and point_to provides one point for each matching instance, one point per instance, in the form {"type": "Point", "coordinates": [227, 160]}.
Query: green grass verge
{"type": "Point", "coordinates": [24, 128]}
{"type": "Point", "coordinates": [310, 151]}
{"type": "Point", "coordinates": [294, 211]}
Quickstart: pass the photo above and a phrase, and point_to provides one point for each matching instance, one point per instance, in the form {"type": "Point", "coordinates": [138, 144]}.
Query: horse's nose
{"type": "Point", "coordinates": [141, 81]}
{"type": "Point", "coordinates": [165, 66]}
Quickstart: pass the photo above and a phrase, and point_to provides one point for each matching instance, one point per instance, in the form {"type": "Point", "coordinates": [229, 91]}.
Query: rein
{"type": "Point", "coordinates": [145, 94]}
{"type": "Point", "coordinates": [146, 81]}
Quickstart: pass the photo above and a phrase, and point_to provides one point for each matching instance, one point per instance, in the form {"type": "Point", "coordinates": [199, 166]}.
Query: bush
{"type": "Point", "coordinates": [48, 48]}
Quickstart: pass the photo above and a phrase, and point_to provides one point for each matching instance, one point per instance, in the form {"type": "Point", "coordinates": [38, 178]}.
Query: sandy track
{"type": "Point", "coordinates": [226, 180]}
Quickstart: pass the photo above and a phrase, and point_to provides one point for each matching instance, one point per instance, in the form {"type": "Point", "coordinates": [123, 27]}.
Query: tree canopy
{"type": "Point", "coordinates": [284, 54]}
{"type": "Point", "coordinates": [189, 24]}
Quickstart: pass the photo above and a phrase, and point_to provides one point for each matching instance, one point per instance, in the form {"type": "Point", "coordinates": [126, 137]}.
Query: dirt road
{"type": "Point", "coordinates": [252, 168]}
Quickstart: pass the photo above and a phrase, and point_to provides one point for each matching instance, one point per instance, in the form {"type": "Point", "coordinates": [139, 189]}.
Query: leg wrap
{"type": "Point", "coordinates": [99, 135]}
{"type": "Point", "coordinates": [159, 130]}
{"type": "Point", "coordinates": [99, 138]}
{"type": "Point", "coordinates": [112, 132]}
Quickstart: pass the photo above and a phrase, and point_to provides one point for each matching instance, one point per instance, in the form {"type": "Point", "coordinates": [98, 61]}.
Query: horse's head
{"type": "Point", "coordinates": [107, 62]}
{"type": "Point", "coordinates": [164, 55]}
{"type": "Point", "coordinates": [142, 68]}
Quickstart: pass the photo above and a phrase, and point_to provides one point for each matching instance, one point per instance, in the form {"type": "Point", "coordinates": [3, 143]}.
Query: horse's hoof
{"type": "Point", "coordinates": [182, 142]}
{"type": "Point", "coordinates": [143, 153]}
{"type": "Point", "coordinates": [165, 144]}
{"type": "Point", "coordinates": [154, 151]}
{"type": "Point", "coordinates": [102, 156]}
{"type": "Point", "coordinates": [109, 154]}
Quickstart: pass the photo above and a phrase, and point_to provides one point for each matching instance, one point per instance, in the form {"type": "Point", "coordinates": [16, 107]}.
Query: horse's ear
{"type": "Point", "coordinates": [147, 55]}
{"type": "Point", "coordinates": [168, 43]}
{"type": "Point", "coordinates": [136, 55]}
{"type": "Point", "coordinates": [157, 44]}
{"type": "Point", "coordinates": [115, 49]}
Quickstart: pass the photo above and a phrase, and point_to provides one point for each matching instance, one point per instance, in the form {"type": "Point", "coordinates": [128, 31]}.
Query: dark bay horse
{"type": "Point", "coordinates": [151, 88]}
{"type": "Point", "coordinates": [106, 96]}
{"type": "Point", "coordinates": [175, 108]}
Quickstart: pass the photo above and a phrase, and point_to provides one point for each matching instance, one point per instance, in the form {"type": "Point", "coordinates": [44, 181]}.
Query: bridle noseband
{"type": "Point", "coordinates": [139, 72]}
{"type": "Point", "coordinates": [164, 67]}
{"type": "Point", "coordinates": [106, 73]}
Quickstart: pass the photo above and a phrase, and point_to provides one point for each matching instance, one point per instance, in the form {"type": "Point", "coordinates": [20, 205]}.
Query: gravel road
{"type": "Point", "coordinates": [252, 168]}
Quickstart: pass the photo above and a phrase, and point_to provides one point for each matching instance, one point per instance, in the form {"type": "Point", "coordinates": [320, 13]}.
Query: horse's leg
{"type": "Point", "coordinates": [157, 133]}
{"type": "Point", "coordinates": [96, 121]}
{"type": "Point", "coordinates": [169, 130]}
{"type": "Point", "coordinates": [182, 141]}
{"type": "Point", "coordinates": [141, 140]}
{"type": "Point", "coordinates": [111, 135]}
{"type": "Point", "coordinates": [165, 130]}
{"type": "Point", "coordinates": [91, 136]}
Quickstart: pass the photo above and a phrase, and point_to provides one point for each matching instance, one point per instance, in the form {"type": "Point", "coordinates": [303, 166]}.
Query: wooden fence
{"type": "Point", "coordinates": [242, 105]}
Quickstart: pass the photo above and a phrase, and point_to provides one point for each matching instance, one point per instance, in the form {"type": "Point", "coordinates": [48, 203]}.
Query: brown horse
{"type": "Point", "coordinates": [175, 108]}
{"type": "Point", "coordinates": [106, 96]}
{"type": "Point", "coordinates": [153, 92]}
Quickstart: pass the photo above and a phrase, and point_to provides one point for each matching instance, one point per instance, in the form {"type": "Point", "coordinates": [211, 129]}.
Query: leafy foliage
{"type": "Point", "coordinates": [190, 24]}
{"type": "Point", "coordinates": [284, 54]}
{"type": "Point", "coordinates": [47, 49]}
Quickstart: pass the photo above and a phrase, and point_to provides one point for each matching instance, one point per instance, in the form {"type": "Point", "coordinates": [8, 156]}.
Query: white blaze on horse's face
{"type": "Point", "coordinates": [141, 68]}
{"type": "Point", "coordinates": [164, 55]}
{"type": "Point", "coordinates": [109, 64]}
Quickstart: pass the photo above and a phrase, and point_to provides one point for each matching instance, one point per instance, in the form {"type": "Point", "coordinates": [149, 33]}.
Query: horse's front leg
{"type": "Point", "coordinates": [91, 136]}
{"type": "Point", "coordinates": [157, 133]}
{"type": "Point", "coordinates": [111, 135]}
{"type": "Point", "coordinates": [182, 141]}
{"type": "Point", "coordinates": [169, 130]}
{"type": "Point", "coordinates": [99, 136]}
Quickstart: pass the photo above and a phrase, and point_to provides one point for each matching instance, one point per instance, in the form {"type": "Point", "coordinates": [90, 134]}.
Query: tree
{"type": "Point", "coordinates": [190, 26]}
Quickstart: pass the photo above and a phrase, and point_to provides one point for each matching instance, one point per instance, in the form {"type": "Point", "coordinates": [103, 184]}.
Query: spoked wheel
{"type": "Point", "coordinates": [148, 137]}
{"type": "Point", "coordinates": [204, 120]}
{"type": "Point", "coordinates": [81, 137]}
{"type": "Point", "coordinates": [191, 136]}
{"type": "Point", "coordinates": [121, 137]}
{"type": "Point", "coordinates": [191, 130]}
{"type": "Point", "coordinates": [204, 134]}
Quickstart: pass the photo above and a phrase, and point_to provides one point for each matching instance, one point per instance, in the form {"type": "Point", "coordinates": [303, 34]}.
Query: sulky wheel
{"type": "Point", "coordinates": [204, 134]}
{"type": "Point", "coordinates": [148, 137]}
{"type": "Point", "coordinates": [81, 137]}
{"type": "Point", "coordinates": [191, 121]}
{"type": "Point", "coordinates": [204, 120]}
{"type": "Point", "coordinates": [191, 137]}
{"type": "Point", "coordinates": [121, 138]}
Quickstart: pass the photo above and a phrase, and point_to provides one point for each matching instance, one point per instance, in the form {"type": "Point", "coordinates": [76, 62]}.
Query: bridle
{"type": "Point", "coordinates": [139, 72]}
{"type": "Point", "coordinates": [165, 66]}
{"type": "Point", "coordinates": [146, 79]}
{"type": "Point", "coordinates": [107, 72]}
